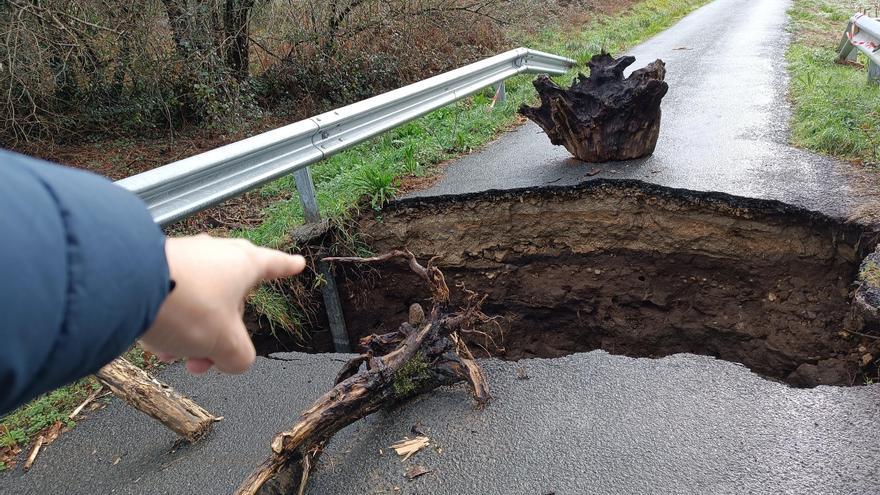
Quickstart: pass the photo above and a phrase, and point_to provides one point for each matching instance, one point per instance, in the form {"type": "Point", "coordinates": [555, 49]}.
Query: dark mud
{"type": "Point", "coordinates": [635, 269]}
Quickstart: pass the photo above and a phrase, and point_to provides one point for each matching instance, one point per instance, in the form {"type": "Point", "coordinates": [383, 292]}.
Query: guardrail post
{"type": "Point", "coordinates": [847, 51]}
{"type": "Point", "coordinates": [312, 214]}
{"type": "Point", "coordinates": [500, 93]}
{"type": "Point", "coordinates": [873, 72]}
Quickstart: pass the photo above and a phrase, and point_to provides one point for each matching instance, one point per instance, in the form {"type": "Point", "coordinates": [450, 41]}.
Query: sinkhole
{"type": "Point", "coordinates": [634, 269]}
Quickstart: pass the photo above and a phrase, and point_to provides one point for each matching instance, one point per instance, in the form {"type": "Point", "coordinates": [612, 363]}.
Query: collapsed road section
{"type": "Point", "coordinates": [639, 270]}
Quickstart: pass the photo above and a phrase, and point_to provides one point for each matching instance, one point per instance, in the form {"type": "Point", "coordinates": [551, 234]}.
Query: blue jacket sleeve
{"type": "Point", "coordinates": [82, 275]}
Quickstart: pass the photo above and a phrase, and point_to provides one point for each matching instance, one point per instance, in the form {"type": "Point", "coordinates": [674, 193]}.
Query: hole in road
{"type": "Point", "coordinates": [637, 270]}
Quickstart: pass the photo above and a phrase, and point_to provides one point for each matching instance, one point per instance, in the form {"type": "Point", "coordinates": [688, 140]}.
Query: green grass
{"type": "Point", "coordinates": [23, 424]}
{"type": "Point", "coordinates": [274, 306]}
{"type": "Point", "coordinates": [836, 111]}
{"type": "Point", "coordinates": [374, 168]}
{"type": "Point", "coordinates": [614, 34]}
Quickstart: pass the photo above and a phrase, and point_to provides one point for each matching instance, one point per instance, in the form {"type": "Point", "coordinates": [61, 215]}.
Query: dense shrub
{"type": "Point", "coordinates": [72, 68]}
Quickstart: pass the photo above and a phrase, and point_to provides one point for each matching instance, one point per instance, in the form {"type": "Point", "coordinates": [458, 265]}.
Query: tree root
{"type": "Point", "coordinates": [603, 117]}
{"type": "Point", "coordinates": [423, 354]}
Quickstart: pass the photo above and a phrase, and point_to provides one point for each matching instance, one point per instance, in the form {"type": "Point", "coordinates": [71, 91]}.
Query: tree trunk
{"type": "Point", "coordinates": [603, 117]}
{"type": "Point", "coordinates": [236, 24]}
{"type": "Point", "coordinates": [156, 399]}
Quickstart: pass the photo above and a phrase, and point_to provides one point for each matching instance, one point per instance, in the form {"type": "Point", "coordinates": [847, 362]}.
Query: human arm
{"type": "Point", "coordinates": [84, 271]}
{"type": "Point", "coordinates": [82, 275]}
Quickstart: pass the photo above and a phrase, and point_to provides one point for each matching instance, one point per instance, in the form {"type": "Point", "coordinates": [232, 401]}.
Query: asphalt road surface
{"type": "Point", "coordinates": [724, 124]}
{"type": "Point", "coordinates": [587, 423]}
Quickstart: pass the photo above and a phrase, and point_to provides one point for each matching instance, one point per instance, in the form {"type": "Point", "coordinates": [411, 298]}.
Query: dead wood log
{"type": "Point", "coordinates": [603, 117]}
{"type": "Point", "coordinates": [420, 356]}
{"type": "Point", "coordinates": [156, 399]}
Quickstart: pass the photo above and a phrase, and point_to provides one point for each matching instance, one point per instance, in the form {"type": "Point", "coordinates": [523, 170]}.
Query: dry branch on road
{"type": "Point", "coordinates": [603, 117]}
{"type": "Point", "coordinates": [423, 354]}
{"type": "Point", "coordinates": [156, 399]}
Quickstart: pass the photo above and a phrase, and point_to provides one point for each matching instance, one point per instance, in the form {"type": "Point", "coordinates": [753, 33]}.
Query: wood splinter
{"type": "Point", "coordinates": [420, 356]}
{"type": "Point", "coordinates": [156, 399]}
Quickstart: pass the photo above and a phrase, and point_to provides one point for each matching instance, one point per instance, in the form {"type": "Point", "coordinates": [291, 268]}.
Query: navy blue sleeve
{"type": "Point", "coordinates": [82, 275]}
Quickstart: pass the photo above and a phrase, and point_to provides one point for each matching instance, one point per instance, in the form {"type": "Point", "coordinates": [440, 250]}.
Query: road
{"type": "Point", "coordinates": [724, 122]}
{"type": "Point", "coordinates": [587, 423]}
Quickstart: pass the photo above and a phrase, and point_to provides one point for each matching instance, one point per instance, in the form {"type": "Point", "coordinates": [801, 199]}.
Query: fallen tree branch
{"type": "Point", "coordinates": [156, 399]}
{"type": "Point", "coordinates": [34, 452]}
{"type": "Point", "coordinates": [423, 354]}
{"type": "Point", "coordinates": [89, 399]}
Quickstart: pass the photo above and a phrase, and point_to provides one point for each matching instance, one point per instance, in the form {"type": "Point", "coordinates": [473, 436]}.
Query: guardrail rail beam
{"type": "Point", "coordinates": [862, 35]}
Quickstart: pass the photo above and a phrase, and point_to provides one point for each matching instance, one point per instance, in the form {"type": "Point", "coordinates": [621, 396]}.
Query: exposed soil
{"type": "Point", "coordinates": [634, 269]}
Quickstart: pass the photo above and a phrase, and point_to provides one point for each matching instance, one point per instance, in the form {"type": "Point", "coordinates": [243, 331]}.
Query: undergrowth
{"type": "Point", "coordinates": [274, 306]}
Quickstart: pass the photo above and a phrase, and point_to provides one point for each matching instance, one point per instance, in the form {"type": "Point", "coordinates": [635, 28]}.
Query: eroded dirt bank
{"type": "Point", "coordinates": [635, 269]}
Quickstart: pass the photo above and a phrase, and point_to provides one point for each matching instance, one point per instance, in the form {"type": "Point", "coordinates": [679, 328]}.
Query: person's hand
{"type": "Point", "coordinates": [201, 319]}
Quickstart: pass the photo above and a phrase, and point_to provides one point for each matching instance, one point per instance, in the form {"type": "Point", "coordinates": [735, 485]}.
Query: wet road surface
{"type": "Point", "coordinates": [584, 424]}
{"type": "Point", "coordinates": [724, 125]}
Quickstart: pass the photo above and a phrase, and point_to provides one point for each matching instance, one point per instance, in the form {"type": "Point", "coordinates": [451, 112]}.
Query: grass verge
{"type": "Point", "coordinates": [836, 111]}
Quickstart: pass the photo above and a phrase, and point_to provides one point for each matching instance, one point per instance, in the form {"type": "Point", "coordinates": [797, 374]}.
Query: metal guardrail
{"type": "Point", "coordinates": [862, 35]}
{"type": "Point", "coordinates": [179, 189]}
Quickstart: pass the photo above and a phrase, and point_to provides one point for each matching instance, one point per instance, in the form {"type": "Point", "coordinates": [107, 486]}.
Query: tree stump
{"type": "Point", "coordinates": [603, 117]}
{"type": "Point", "coordinates": [423, 354]}
{"type": "Point", "coordinates": [156, 399]}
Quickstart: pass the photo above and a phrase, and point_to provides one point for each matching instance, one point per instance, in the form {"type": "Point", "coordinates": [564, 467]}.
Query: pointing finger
{"type": "Point", "coordinates": [275, 264]}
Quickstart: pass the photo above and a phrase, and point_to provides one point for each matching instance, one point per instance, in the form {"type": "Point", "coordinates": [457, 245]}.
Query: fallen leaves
{"type": "Point", "coordinates": [406, 447]}
{"type": "Point", "coordinates": [418, 429]}
{"type": "Point", "coordinates": [52, 434]}
{"type": "Point", "coordinates": [8, 456]}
